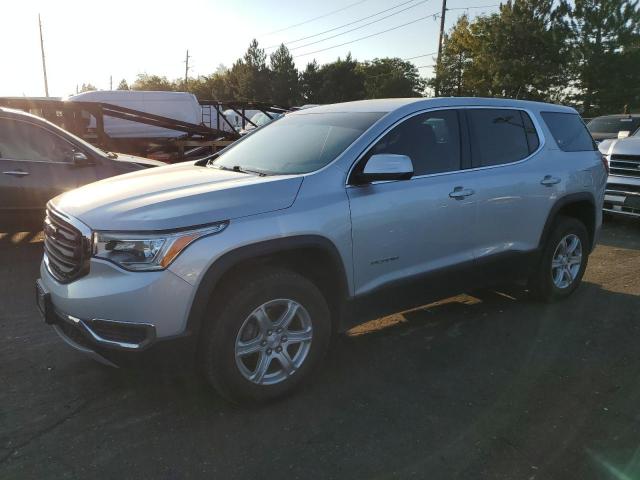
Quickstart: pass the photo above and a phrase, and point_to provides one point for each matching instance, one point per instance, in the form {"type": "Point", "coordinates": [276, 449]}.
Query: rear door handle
{"type": "Point", "coordinates": [459, 193]}
{"type": "Point", "coordinates": [548, 180]}
{"type": "Point", "coordinates": [16, 173]}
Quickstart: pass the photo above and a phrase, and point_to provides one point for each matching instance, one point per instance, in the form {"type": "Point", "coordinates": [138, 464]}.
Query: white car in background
{"type": "Point", "coordinates": [623, 186]}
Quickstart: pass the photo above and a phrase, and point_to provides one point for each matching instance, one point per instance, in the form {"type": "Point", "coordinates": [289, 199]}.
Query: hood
{"type": "Point", "coordinates": [143, 162]}
{"type": "Point", "coordinates": [176, 196]}
{"type": "Point", "coordinates": [623, 146]}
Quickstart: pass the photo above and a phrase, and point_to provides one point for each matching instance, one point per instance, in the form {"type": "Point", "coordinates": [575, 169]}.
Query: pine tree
{"type": "Point", "coordinates": [285, 87]}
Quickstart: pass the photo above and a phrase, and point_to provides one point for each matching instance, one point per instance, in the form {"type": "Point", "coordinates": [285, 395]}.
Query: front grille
{"type": "Point", "coordinates": [626, 165]}
{"type": "Point", "coordinates": [66, 248]}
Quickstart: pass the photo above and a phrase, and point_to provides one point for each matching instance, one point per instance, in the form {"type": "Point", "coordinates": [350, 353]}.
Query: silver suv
{"type": "Point", "coordinates": [251, 259]}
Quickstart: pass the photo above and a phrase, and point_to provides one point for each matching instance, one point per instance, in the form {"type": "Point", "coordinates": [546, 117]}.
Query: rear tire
{"type": "Point", "coordinates": [267, 338]}
{"type": "Point", "coordinates": [563, 261]}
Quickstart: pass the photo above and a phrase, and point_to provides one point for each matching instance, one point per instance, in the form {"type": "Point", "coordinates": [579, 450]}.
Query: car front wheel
{"type": "Point", "coordinates": [269, 335]}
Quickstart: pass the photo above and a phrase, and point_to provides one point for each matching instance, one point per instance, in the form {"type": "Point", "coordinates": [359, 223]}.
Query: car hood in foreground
{"type": "Point", "coordinates": [143, 162]}
{"type": "Point", "coordinates": [176, 196]}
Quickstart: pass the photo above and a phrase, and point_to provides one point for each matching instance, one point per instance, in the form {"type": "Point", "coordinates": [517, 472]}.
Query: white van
{"type": "Point", "coordinates": [182, 106]}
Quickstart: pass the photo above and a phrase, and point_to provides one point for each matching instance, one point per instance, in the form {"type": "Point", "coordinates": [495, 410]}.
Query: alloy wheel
{"type": "Point", "coordinates": [273, 342]}
{"type": "Point", "coordinates": [566, 261]}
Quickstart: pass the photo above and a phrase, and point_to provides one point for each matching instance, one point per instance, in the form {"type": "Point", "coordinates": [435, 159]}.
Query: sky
{"type": "Point", "coordinates": [89, 41]}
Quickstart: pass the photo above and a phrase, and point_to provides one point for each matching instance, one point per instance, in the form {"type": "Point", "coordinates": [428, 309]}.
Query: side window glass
{"type": "Point", "coordinates": [498, 136]}
{"type": "Point", "coordinates": [569, 131]}
{"type": "Point", "coordinates": [431, 140]}
{"type": "Point", "coordinates": [25, 141]}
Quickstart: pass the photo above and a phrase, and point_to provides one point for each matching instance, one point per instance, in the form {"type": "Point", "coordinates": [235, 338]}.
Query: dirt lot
{"type": "Point", "coordinates": [490, 385]}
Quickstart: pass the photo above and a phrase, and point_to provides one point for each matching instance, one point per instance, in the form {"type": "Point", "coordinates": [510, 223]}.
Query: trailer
{"type": "Point", "coordinates": [87, 119]}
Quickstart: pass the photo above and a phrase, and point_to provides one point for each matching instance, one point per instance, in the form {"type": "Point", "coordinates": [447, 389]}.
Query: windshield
{"type": "Point", "coordinates": [613, 125]}
{"type": "Point", "coordinates": [300, 143]}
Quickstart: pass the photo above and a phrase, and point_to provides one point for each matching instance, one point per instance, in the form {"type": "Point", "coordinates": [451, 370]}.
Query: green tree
{"type": "Point", "coordinates": [145, 81]}
{"type": "Point", "coordinates": [310, 83]}
{"type": "Point", "coordinates": [391, 77]}
{"type": "Point", "coordinates": [285, 84]}
{"type": "Point", "coordinates": [342, 81]}
{"type": "Point", "coordinates": [519, 52]}
{"type": "Point", "coordinates": [605, 41]}
{"type": "Point", "coordinates": [87, 87]}
{"type": "Point", "coordinates": [457, 56]}
{"type": "Point", "coordinates": [123, 85]}
{"type": "Point", "coordinates": [248, 79]}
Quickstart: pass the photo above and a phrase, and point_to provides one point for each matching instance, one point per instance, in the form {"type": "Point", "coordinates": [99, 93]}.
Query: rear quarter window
{"type": "Point", "coordinates": [569, 131]}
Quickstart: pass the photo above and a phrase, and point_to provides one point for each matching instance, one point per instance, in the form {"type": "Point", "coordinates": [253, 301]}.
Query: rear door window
{"type": "Point", "coordinates": [500, 136]}
{"type": "Point", "coordinates": [569, 131]}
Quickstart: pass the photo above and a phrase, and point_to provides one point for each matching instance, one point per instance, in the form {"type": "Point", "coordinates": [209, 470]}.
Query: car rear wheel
{"type": "Point", "coordinates": [267, 338]}
{"type": "Point", "coordinates": [563, 262]}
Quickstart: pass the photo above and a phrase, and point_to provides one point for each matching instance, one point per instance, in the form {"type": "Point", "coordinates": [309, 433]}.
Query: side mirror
{"type": "Point", "coordinates": [386, 166]}
{"type": "Point", "coordinates": [79, 159]}
{"type": "Point", "coordinates": [624, 133]}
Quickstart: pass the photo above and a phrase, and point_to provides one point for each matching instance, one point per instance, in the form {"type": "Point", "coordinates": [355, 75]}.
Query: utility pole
{"type": "Point", "coordinates": [44, 65]}
{"type": "Point", "coordinates": [442, 17]}
{"type": "Point", "coordinates": [186, 71]}
{"type": "Point", "coordinates": [110, 82]}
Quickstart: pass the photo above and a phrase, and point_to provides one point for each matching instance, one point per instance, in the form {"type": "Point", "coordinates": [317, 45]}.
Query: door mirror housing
{"type": "Point", "coordinates": [385, 167]}
{"type": "Point", "coordinates": [624, 133]}
{"type": "Point", "coordinates": [79, 159]}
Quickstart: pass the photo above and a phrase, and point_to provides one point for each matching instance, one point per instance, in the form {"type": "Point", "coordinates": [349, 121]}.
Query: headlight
{"type": "Point", "coordinates": [147, 251]}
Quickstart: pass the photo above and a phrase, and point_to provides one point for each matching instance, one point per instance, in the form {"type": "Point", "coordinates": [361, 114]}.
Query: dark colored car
{"type": "Point", "coordinates": [39, 160]}
{"type": "Point", "coordinates": [608, 126]}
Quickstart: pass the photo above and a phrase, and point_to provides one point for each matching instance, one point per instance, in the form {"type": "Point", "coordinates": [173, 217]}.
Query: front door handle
{"type": "Point", "coordinates": [16, 173]}
{"type": "Point", "coordinates": [548, 180]}
{"type": "Point", "coordinates": [460, 192]}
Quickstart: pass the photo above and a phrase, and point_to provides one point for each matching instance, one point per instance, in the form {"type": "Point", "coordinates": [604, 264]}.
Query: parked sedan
{"type": "Point", "coordinates": [39, 160]}
{"type": "Point", "coordinates": [623, 186]}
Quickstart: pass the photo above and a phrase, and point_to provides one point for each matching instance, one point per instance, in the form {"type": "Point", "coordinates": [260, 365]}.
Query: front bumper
{"type": "Point", "coordinates": [622, 196]}
{"type": "Point", "coordinates": [115, 313]}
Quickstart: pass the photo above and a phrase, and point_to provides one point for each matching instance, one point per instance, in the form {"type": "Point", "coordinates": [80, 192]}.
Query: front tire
{"type": "Point", "coordinates": [563, 261]}
{"type": "Point", "coordinates": [267, 338]}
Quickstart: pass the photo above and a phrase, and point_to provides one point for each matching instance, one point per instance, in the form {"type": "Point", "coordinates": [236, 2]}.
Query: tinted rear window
{"type": "Point", "coordinates": [569, 131]}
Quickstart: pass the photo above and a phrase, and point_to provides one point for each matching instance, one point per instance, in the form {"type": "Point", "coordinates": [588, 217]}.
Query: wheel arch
{"type": "Point", "coordinates": [577, 205]}
{"type": "Point", "coordinates": [313, 256]}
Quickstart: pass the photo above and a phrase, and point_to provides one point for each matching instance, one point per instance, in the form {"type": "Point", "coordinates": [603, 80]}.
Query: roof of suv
{"type": "Point", "coordinates": [391, 104]}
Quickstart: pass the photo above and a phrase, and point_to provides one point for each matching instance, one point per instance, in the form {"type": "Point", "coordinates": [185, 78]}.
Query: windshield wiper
{"type": "Point", "coordinates": [111, 154]}
{"type": "Point", "coordinates": [239, 169]}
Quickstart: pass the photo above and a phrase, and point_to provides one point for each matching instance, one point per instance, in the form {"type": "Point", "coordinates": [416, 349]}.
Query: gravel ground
{"type": "Point", "coordinates": [486, 385]}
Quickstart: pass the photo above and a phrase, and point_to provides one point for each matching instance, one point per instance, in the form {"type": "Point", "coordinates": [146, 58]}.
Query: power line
{"type": "Point", "coordinates": [315, 18]}
{"type": "Point", "coordinates": [361, 26]}
{"type": "Point", "coordinates": [478, 6]}
{"type": "Point", "coordinates": [433, 15]}
{"type": "Point", "coordinates": [341, 26]}
{"type": "Point", "coordinates": [420, 56]}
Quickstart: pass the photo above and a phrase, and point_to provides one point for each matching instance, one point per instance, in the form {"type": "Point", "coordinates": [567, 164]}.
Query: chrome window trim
{"type": "Point", "coordinates": [48, 162]}
{"type": "Point", "coordinates": [532, 116]}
